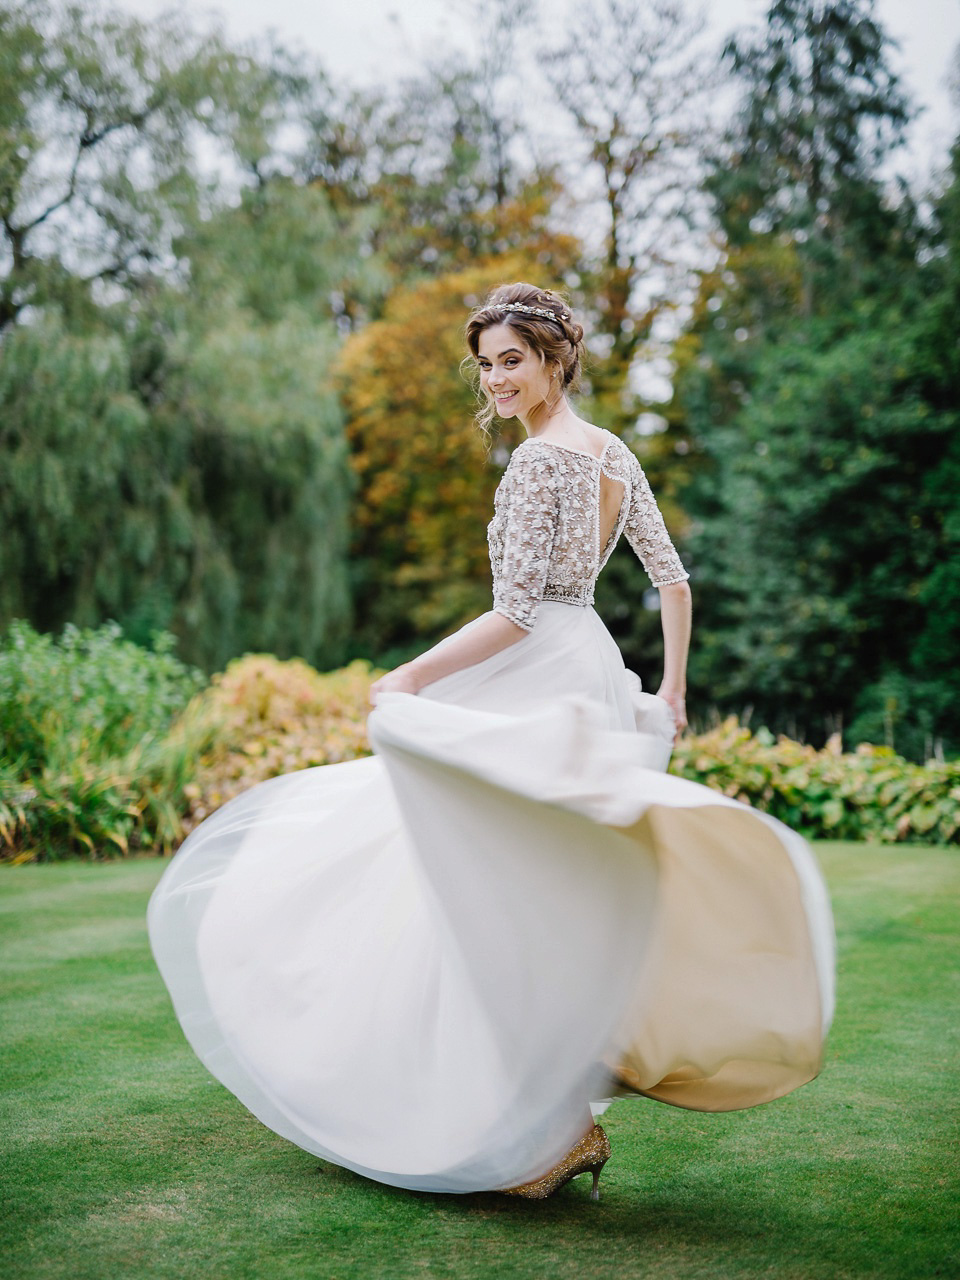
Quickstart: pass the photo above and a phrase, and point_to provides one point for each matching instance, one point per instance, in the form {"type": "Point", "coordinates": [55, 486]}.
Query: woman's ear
{"type": "Point", "coordinates": [556, 384]}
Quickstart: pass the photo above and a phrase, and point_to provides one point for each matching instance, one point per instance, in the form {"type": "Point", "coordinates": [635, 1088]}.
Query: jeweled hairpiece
{"type": "Point", "coordinates": [530, 311]}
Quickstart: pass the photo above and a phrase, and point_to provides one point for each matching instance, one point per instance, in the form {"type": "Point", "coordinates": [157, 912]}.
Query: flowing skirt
{"type": "Point", "coordinates": [426, 965]}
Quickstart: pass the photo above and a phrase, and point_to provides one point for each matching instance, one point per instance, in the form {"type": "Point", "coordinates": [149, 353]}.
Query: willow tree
{"type": "Point", "coordinates": [219, 515]}
{"type": "Point", "coordinates": [171, 450]}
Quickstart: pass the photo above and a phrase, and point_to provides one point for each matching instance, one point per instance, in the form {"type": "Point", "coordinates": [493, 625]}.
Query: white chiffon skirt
{"type": "Point", "coordinates": [425, 966]}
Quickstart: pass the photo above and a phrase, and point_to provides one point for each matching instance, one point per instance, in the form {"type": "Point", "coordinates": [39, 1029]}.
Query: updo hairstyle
{"type": "Point", "coordinates": [558, 341]}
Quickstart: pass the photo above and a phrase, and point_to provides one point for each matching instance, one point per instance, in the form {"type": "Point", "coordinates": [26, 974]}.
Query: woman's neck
{"type": "Point", "coordinates": [542, 419]}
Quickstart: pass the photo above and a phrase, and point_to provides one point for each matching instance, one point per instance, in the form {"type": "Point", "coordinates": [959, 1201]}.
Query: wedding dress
{"type": "Point", "coordinates": [426, 965]}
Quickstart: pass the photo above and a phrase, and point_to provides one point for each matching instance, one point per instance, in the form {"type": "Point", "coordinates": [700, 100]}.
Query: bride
{"type": "Point", "coordinates": [436, 966]}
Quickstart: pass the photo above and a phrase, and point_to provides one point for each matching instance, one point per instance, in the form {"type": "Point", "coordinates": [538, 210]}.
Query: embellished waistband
{"type": "Point", "coordinates": [568, 595]}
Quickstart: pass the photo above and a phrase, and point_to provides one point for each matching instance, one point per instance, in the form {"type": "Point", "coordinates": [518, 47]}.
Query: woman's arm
{"type": "Point", "coordinates": [491, 634]}
{"type": "Point", "coordinates": [676, 610]}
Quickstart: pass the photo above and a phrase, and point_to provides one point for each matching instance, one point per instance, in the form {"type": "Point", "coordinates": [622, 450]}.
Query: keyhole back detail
{"type": "Point", "coordinates": [611, 500]}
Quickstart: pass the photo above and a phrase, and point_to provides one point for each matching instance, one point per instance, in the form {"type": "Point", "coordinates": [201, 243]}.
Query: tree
{"type": "Point", "coordinates": [826, 525]}
{"type": "Point", "coordinates": [432, 167]}
{"type": "Point", "coordinates": [281, 248]}
{"type": "Point", "coordinates": [101, 119]}
{"type": "Point", "coordinates": [634, 84]}
{"type": "Point", "coordinates": [804, 224]}
{"type": "Point", "coordinates": [820, 111]}
{"type": "Point", "coordinates": [171, 450]}
{"type": "Point", "coordinates": [218, 512]}
{"type": "Point", "coordinates": [811, 415]}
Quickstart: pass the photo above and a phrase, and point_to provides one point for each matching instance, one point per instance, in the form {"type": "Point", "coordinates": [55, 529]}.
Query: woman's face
{"type": "Point", "coordinates": [510, 372]}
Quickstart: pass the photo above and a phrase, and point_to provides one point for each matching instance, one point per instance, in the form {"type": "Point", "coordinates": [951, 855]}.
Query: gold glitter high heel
{"type": "Point", "coordinates": [589, 1155]}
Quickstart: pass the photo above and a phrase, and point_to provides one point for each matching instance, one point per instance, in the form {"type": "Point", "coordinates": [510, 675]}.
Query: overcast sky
{"type": "Point", "coordinates": [367, 40]}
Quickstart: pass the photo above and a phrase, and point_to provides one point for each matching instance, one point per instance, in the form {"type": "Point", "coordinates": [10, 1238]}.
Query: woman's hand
{"type": "Point", "coordinates": [675, 700]}
{"type": "Point", "coordinates": [400, 680]}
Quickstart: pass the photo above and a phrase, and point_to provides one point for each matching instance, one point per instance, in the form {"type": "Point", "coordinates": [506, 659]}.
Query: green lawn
{"type": "Point", "coordinates": [123, 1158]}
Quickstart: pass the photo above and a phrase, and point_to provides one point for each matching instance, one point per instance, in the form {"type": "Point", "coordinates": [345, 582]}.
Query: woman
{"type": "Point", "coordinates": [429, 965]}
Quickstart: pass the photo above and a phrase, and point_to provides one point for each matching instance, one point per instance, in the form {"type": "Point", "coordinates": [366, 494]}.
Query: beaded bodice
{"type": "Point", "coordinates": [545, 533]}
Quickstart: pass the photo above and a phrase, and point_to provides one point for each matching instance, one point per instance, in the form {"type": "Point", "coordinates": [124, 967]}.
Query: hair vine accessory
{"type": "Point", "coordinates": [530, 311]}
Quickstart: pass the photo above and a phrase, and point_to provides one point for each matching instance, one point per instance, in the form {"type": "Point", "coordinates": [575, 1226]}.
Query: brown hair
{"type": "Point", "coordinates": [556, 339]}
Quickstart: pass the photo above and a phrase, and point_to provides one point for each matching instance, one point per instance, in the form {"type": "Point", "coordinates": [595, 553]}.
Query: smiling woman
{"type": "Point", "coordinates": [436, 966]}
{"type": "Point", "coordinates": [530, 359]}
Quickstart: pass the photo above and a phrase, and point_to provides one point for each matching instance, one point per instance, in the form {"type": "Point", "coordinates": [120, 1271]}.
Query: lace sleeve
{"type": "Point", "coordinates": [530, 497]}
{"type": "Point", "coordinates": [647, 534]}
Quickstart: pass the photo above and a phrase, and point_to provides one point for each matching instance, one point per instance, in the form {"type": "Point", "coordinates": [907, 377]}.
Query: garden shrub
{"type": "Point", "coordinates": [867, 794]}
{"type": "Point", "coordinates": [99, 737]}
{"type": "Point", "coordinates": [108, 748]}
{"type": "Point", "coordinates": [281, 716]}
{"type": "Point", "coordinates": [276, 716]}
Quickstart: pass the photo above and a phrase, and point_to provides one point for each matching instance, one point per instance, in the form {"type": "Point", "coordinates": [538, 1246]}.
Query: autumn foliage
{"type": "Point", "coordinates": [276, 717]}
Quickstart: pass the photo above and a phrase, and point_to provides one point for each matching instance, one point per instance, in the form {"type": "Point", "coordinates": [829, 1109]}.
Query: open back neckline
{"type": "Point", "coordinates": [606, 537]}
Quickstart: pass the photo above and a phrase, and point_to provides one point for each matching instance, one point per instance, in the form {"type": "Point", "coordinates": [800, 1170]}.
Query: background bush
{"type": "Point", "coordinates": [98, 739]}
{"type": "Point", "coordinates": [867, 794]}
{"type": "Point", "coordinates": [108, 748]}
{"type": "Point", "coordinates": [274, 717]}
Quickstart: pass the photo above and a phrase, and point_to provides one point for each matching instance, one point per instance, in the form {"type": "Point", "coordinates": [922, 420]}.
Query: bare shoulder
{"type": "Point", "coordinates": [594, 438]}
{"type": "Point", "coordinates": [572, 433]}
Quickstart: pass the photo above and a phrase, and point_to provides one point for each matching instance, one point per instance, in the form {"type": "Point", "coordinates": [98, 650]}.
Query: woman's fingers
{"type": "Point", "coordinates": [399, 680]}
{"type": "Point", "coordinates": [678, 710]}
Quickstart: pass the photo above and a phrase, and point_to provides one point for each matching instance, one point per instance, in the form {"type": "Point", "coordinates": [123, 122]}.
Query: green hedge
{"type": "Point", "coordinates": [109, 748]}
{"type": "Point", "coordinates": [867, 794]}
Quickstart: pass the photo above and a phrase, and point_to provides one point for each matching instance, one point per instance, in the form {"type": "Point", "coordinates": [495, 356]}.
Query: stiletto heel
{"type": "Point", "coordinates": [589, 1155]}
{"type": "Point", "coordinates": [596, 1170]}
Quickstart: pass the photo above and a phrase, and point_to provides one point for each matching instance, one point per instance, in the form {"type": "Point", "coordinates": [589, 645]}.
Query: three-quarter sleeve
{"type": "Point", "coordinates": [528, 503]}
{"type": "Point", "coordinates": [647, 534]}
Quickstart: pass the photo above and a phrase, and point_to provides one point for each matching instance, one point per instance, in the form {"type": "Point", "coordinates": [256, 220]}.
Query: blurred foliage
{"type": "Point", "coordinates": [217, 511]}
{"type": "Point", "coordinates": [102, 120]}
{"type": "Point", "coordinates": [636, 88]}
{"type": "Point", "coordinates": [98, 741]}
{"type": "Point", "coordinates": [439, 164]}
{"type": "Point", "coordinates": [171, 450]}
{"type": "Point", "coordinates": [821, 109]}
{"type": "Point", "coordinates": [282, 247]}
{"type": "Point", "coordinates": [195, 236]}
{"type": "Point", "coordinates": [825, 531]}
{"type": "Point", "coordinates": [270, 488]}
{"type": "Point", "coordinates": [275, 717]}
{"type": "Point", "coordinates": [89, 693]}
{"type": "Point", "coordinates": [815, 407]}
{"type": "Point", "coordinates": [869, 794]}
{"type": "Point", "coordinates": [104, 756]}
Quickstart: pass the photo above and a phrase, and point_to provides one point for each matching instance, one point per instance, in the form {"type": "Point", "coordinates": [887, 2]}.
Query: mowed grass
{"type": "Point", "coordinates": [123, 1158]}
